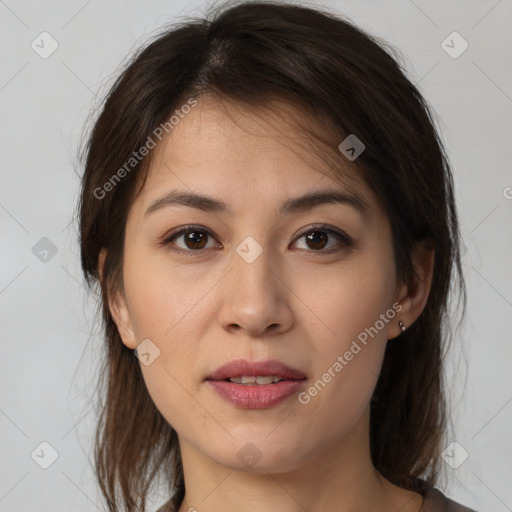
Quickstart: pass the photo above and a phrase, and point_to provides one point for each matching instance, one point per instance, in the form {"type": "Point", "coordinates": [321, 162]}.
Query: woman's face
{"type": "Point", "coordinates": [312, 286]}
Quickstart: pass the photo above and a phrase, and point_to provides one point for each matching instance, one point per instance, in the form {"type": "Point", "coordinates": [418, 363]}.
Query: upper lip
{"type": "Point", "coordinates": [240, 367]}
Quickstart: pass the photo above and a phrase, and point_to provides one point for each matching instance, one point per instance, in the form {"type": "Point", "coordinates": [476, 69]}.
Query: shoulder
{"type": "Point", "coordinates": [436, 501]}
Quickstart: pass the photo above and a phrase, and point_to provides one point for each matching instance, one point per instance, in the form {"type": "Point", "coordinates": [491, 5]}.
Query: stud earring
{"type": "Point", "coordinates": [402, 326]}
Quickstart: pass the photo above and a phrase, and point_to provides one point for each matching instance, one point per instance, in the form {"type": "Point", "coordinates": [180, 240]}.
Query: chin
{"type": "Point", "coordinates": [260, 455]}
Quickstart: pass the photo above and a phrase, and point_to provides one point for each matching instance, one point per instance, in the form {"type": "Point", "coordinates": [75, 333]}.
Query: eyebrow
{"type": "Point", "coordinates": [298, 204]}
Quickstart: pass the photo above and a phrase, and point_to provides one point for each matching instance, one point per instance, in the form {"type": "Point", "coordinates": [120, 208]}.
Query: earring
{"type": "Point", "coordinates": [402, 326]}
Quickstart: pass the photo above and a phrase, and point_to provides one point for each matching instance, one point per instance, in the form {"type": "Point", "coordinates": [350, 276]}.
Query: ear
{"type": "Point", "coordinates": [118, 308]}
{"type": "Point", "coordinates": [413, 295]}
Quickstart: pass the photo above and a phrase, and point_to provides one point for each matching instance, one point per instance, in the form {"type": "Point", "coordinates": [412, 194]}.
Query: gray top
{"type": "Point", "coordinates": [435, 501]}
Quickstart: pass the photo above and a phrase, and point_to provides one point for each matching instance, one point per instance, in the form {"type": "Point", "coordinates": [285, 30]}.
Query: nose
{"type": "Point", "coordinates": [255, 297]}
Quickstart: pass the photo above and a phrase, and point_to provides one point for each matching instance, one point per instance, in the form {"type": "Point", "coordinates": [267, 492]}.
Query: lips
{"type": "Point", "coordinates": [244, 367]}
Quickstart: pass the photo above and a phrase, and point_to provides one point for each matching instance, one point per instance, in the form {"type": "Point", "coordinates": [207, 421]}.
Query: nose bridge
{"type": "Point", "coordinates": [252, 270]}
{"type": "Point", "coordinates": [255, 300]}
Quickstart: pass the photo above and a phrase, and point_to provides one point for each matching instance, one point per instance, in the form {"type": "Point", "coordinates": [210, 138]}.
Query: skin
{"type": "Point", "coordinates": [293, 303]}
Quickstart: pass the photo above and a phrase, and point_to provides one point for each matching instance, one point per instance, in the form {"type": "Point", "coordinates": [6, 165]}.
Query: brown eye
{"type": "Point", "coordinates": [190, 239]}
{"type": "Point", "coordinates": [317, 239]}
{"type": "Point", "coordinates": [195, 239]}
{"type": "Point", "coordinates": [323, 239]}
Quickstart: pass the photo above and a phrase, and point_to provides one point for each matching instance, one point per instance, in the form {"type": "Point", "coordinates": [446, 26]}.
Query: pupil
{"type": "Point", "coordinates": [317, 237]}
{"type": "Point", "coordinates": [197, 240]}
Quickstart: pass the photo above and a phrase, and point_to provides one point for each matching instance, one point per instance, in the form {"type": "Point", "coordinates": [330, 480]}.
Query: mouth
{"type": "Point", "coordinates": [259, 380]}
{"type": "Point", "coordinates": [254, 373]}
{"type": "Point", "coordinates": [255, 385]}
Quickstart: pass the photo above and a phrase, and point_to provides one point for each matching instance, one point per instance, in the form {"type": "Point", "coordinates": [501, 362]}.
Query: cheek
{"type": "Point", "coordinates": [169, 319]}
{"type": "Point", "coordinates": [345, 300]}
{"type": "Point", "coordinates": [163, 299]}
{"type": "Point", "coordinates": [164, 307]}
{"type": "Point", "coordinates": [170, 316]}
{"type": "Point", "coordinates": [348, 343]}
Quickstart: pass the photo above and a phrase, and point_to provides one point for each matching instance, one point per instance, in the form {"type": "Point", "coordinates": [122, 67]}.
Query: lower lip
{"type": "Point", "coordinates": [258, 396]}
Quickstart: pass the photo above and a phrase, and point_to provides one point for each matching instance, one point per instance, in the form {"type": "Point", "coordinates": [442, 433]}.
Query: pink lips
{"type": "Point", "coordinates": [256, 396]}
{"type": "Point", "coordinates": [239, 367]}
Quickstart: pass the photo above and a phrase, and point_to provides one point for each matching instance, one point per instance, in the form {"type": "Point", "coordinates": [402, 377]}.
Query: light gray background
{"type": "Point", "coordinates": [49, 358]}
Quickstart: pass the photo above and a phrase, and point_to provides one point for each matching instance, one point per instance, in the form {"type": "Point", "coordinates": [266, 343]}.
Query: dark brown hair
{"type": "Point", "coordinates": [253, 53]}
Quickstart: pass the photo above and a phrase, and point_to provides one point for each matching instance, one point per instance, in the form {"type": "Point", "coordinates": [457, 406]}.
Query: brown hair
{"type": "Point", "coordinates": [252, 53]}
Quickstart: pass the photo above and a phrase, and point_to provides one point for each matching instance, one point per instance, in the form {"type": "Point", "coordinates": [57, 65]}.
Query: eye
{"type": "Point", "coordinates": [320, 237]}
{"type": "Point", "coordinates": [193, 239]}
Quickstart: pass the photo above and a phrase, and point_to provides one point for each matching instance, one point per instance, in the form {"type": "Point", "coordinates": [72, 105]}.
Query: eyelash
{"type": "Point", "coordinates": [345, 240]}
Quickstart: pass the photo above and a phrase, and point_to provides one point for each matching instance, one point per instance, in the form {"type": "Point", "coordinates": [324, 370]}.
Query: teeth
{"type": "Point", "coordinates": [246, 379]}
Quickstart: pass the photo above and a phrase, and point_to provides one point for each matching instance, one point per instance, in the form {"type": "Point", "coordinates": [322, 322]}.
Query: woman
{"type": "Point", "coordinates": [269, 212]}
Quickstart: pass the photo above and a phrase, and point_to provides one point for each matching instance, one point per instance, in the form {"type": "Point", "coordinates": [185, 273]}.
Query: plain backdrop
{"type": "Point", "coordinates": [50, 349]}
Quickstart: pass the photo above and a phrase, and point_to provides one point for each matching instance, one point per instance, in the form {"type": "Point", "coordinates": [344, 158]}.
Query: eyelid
{"type": "Point", "coordinates": [322, 227]}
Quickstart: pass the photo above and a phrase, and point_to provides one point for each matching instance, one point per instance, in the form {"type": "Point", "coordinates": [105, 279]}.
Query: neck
{"type": "Point", "coordinates": [340, 477]}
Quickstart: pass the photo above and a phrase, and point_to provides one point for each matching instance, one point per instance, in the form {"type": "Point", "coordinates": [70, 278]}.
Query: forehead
{"type": "Point", "coordinates": [225, 147]}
